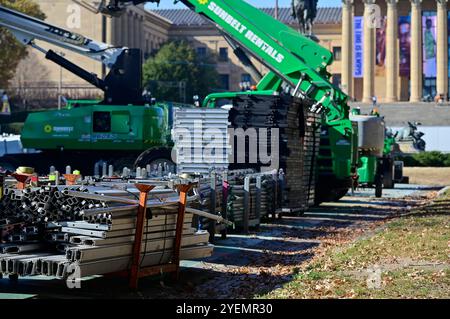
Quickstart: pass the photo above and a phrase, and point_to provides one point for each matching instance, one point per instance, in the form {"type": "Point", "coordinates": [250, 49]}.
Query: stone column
{"type": "Point", "coordinates": [137, 32]}
{"type": "Point", "coordinates": [391, 51]}
{"type": "Point", "coordinates": [347, 47]}
{"type": "Point", "coordinates": [133, 30]}
{"type": "Point", "coordinates": [117, 30]}
{"type": "Point", "coordinates": [130, 28]}
{"type": "Point", "coordinates": [416, 51]}
{"type": "Point", "coordinates": [126, 29]}
{"type": "Point", "coordinates": [141, 43]}
{"type": "Point", "coordinates": [369, 53]}
{"type": "Point", "coordinates": [110, 30]}
{"type": "Point", "coordinates": [442, 49]}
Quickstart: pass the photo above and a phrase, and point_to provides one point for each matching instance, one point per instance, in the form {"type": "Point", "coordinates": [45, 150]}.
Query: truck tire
{"type": "Point", "coordinates": [338, 194]}
{"type": "Point", "coordinates": [378, 186]}
{"type": "Point", "coordinates": [154, 156]}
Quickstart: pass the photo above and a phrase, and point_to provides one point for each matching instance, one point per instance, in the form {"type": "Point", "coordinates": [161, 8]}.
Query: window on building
{"type": "Point", "coordinates": [337, 80]}
{"type": "Point", "coordinates": [337, 53]}
{"type": "Point", "coordinates": [245, 77]}
{"type": "Point", "coordinates": [223, 54]}
{"type": "Point", "coordinates": [201, 51]}
{"type": "Point", "coordinates": [224, 80]}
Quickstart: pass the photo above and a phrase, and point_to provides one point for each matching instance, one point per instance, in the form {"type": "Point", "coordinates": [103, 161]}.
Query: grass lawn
{"type": "Point", "coordinates": [428, 175]}
{"type": "Point", "coordinates": [407, 258]}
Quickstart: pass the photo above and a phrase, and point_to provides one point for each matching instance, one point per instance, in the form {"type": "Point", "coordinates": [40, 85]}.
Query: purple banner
{"type": "Point", "coordinates": [404, 35]}
{"type": "Point", "coordinates": [381, 43]}
{"type": "Point", "coordinates": [358, 47]}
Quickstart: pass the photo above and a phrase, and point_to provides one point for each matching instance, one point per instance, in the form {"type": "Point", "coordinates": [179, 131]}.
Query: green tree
{"type": "Point", "coordinates": [177, 62]}
{"type": "Point", "coordinates": [11, 51]}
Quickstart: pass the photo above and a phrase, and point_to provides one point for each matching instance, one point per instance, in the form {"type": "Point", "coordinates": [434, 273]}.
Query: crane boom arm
{"type": "Point", "coordinates": [290, 57]}
{"type": "Point", "coordinates": [27, 29]}
{"type": "Point", "coordinates": [122, 85]}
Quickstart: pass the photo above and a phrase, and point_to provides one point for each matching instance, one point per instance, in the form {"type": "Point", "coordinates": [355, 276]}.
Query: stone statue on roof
{"type": "Point", "coordinates": [304, 11]}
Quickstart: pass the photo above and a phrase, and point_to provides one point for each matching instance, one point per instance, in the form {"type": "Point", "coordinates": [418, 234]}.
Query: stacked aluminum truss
{"type": "Point", "coordinates": [101, 241]}
{"type": "Point", "coordinates": [44, 204]}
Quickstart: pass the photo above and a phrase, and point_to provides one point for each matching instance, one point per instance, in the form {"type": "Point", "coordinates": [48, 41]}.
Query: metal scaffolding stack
{"type": "Point", "coordinates": [117, 234]}
{"type": "Point", "coordinates": [243, 197]}
{"type": "Point", "coordinates": [251, 198]}
{"type": "Point", "coordinates": [43, 204]}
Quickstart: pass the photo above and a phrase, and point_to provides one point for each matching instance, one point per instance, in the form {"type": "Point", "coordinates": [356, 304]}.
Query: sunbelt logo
{"type": "Point", "coordinates": [240, 27]}
{"type": "Point", "coordinates": [203, 1]}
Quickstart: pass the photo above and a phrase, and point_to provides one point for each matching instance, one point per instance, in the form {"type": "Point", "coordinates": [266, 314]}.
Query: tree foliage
{"type": "Point", "coordinates": [11, 51]}
{"type": "Point", "coordinates": [177, 62]}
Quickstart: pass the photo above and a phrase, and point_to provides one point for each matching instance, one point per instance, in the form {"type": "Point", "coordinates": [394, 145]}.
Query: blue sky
{"type": "Point", "coordinates": [258, 3]}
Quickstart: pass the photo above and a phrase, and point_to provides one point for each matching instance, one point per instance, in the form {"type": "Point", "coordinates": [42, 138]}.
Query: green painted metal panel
{"type": "Point", "coordinates": [367, 169]}
{"type": "Point", "coordinates": [98, 127]}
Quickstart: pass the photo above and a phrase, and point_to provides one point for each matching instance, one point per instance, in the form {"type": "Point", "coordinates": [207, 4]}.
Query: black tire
{"type": "Point", "coordinates": [339, 193]}
{"type": "Point", "coordinates": [154, 155]}
{"type": "Point", "coordinates": [378, 186]}
{"type": "Point", "coordinates": [388, 176]}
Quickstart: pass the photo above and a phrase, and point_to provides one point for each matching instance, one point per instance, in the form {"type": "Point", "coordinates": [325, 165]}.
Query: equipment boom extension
{"type": "Point", "coordinates": [27, 29]}
{"type": "Point", "coordinates": [122, 85]}
{"type": "Point", "coordinates": [296, 60]}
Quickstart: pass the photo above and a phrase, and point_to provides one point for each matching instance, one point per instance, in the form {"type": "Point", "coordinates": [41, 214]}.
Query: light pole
{"type": "Point", "coordinates": [276, 9]}
{"type": "Point", "coordinates": [60, 83]}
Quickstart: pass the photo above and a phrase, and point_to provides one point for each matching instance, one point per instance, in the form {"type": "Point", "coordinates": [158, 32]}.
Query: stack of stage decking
{"type": "Point", "coordinates": [268, 132]}
{"type": "Point", "coordinates": [298, 141]}
{"type": "Point", "coordinates": [303, 136]}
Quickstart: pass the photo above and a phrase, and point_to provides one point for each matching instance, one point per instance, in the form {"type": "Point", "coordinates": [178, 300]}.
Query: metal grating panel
{"type": "Point", "coordinates": [202, 140]}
